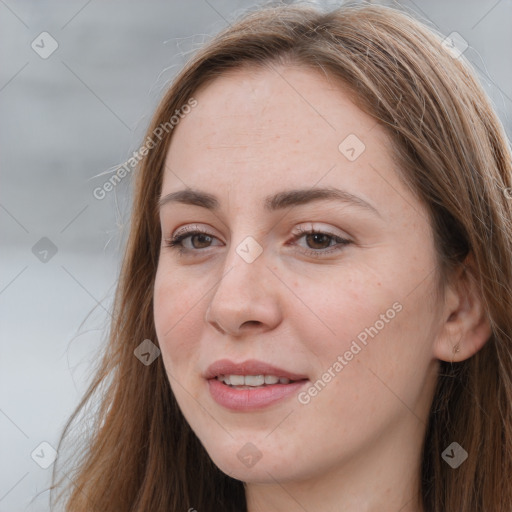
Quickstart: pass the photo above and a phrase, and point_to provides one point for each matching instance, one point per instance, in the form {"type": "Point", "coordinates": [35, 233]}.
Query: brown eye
{"type": "Point", "coordinates": [198, 240]}
{"type": "Point", "coordinates": [318, 240]}
{"type": "Point", "coordinates": [202, 239]}
{"type": "Point", "coordinates": [318, 243]}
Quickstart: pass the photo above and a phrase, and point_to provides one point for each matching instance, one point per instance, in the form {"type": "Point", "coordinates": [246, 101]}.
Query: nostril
{"type": "Point", "coordinates": [250, 325]}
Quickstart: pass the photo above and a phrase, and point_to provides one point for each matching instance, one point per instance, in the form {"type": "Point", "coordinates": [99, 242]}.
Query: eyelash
{"type": "Point", "coordinates": [175, 242]}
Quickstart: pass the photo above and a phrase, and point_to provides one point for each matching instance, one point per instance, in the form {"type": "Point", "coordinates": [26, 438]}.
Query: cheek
{"type": "Point", "coordinates": [176, 307]}
{"type": "Point", "coordinates": [370, 328]}
{"type": "Point", "coordinates": [176, 310]}
{"type": "Point", "coordinates": [334, 310]}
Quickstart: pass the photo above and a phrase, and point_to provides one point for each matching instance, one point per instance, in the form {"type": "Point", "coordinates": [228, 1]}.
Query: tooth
{"type": "Point", "coordinates": [254, 380]}
{"type": "Point", "coordinates": [236, 380]}
{"type": "Point", "coordinates": [247, 381]}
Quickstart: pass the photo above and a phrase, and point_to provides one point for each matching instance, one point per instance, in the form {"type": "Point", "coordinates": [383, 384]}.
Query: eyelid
{"type": "Point", "coordinates": [190, 228]}
{"type": "Point", "coordinates": [298, 230]}
{"type": "Point", "coordinates": [311, 226]}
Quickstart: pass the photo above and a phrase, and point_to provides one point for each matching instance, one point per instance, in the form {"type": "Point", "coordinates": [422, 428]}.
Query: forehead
{"type": "Point", "coordinates": [251, 106]}
{"type": "Point", "coordinates": [254, 129]}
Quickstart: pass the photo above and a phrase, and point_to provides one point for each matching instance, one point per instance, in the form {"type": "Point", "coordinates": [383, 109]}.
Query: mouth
{"type": "Point", "coordinates": [252, 369]}
{"type": "Point", "coordinates": [253, 381]}
{"type": "Point", "coordinates": [251, 385]}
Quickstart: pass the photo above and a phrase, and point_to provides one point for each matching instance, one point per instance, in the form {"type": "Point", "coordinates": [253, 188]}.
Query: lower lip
{"type": "Point", "coordinates": [251, 399]}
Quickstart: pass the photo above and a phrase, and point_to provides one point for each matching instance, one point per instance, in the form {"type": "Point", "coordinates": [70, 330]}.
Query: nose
{"type": "Point", "coordinates": [245, 299]}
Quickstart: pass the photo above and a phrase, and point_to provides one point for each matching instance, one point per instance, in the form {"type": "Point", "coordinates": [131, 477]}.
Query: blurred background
{"type": "Point", "coordinates": [79, 81]}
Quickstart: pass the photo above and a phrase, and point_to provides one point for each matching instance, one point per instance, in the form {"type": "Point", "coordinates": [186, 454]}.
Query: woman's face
{"type": "Point", "coordinates": [351, 323]}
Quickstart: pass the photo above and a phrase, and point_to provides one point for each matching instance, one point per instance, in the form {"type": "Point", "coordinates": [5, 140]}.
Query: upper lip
{"type": "Point", "coordinates": [249, 367]}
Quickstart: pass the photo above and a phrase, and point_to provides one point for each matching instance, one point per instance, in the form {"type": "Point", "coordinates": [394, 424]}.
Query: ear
{"type": "Point", "coordinates": [465, 324]}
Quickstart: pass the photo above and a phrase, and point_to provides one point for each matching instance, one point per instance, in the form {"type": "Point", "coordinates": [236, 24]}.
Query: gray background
{"type": "Point", "coordinates": [69, 118]}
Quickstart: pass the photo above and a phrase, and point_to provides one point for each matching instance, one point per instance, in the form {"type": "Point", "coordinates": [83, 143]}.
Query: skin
{"type": "Point", "coordinates": [356, 446]}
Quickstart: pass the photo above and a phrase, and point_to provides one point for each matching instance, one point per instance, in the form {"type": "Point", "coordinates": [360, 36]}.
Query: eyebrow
{"type": "Point", "coordinates": [278, 201]}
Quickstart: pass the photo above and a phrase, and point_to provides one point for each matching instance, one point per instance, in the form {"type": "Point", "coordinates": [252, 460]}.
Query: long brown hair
{"type": "Point", "coordinates": [139, 454]}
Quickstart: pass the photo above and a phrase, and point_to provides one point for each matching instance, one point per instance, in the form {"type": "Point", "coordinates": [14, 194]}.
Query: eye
{"type": "Point", "coordinates": [320, 240]}
{"type": "Point", "coordinates": [194, 237]}
{"type": "Point", "coordinates": [189, 234]}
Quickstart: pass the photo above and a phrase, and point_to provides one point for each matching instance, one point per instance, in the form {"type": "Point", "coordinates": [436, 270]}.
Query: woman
{"type": "Point", "coordinates": [315, 301]}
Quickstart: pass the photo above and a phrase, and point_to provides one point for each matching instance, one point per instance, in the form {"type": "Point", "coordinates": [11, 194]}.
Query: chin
{"type": "Point", "coordinates": [245, 461]}
{"type": "Point", "coordinates": [263, 472]}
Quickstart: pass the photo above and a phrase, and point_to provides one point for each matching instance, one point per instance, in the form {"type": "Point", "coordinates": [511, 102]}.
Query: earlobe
{"type": "Point", "coordinates": [466, 326]}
